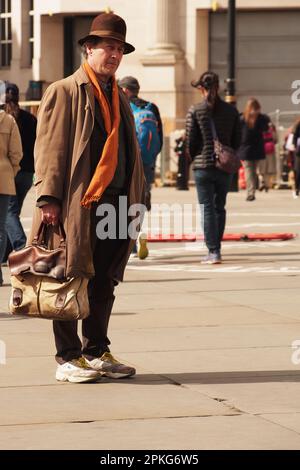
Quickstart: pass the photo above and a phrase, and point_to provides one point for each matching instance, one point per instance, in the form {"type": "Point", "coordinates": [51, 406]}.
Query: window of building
{"type": "Point", "coordinates": [6, 36]}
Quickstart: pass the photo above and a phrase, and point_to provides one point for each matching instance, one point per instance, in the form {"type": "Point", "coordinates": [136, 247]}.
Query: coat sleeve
{"type": "Point", "coordinates": [51, 146]}
{"type": "Point", "coordinates": [15, 148]}
{"type": "Point", "coordinates": [193, 136]}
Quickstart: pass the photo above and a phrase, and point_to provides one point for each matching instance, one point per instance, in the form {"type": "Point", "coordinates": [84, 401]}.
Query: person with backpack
{"type": "Point", "coordinates": [149, 130]}
{"type": "Point", "coordinates": [149, 133]}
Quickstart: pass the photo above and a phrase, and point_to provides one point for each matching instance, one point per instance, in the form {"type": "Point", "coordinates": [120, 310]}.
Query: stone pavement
{"type": "Point", "coordinates": [212, 346]}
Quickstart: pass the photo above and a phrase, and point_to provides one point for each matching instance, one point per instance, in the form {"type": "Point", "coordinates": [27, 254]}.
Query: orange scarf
{"type": "Point", "coordinates": [107, 165]}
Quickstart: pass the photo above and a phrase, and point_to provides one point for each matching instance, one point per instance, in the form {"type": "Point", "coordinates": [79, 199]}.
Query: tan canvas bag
{"type": "Point", "coordinates": [39, 286]}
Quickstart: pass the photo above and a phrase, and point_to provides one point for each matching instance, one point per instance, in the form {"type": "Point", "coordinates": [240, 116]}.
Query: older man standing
{"type": "Point", "coordinates": [86, 155]}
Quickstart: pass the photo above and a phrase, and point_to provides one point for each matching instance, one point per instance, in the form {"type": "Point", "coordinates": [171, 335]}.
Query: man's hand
{"type": "Point", "coordinates": [50, 214]}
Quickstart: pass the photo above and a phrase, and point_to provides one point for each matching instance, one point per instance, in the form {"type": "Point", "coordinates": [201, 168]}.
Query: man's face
{"type": "Point", "coordinates": [105, 57]}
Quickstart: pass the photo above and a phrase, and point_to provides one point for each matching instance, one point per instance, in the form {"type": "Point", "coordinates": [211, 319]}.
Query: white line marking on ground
{"type": "Point", "coordinates": [215, 269]}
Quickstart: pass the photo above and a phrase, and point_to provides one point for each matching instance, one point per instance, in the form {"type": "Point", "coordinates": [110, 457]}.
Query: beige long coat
{"type": "Point", "coordinates": [62, 165]}
{"type": "Point", "coordinates": [10, 153]}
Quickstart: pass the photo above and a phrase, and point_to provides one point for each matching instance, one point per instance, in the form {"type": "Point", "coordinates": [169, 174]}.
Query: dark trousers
{"type": "Point", "coordinates": [14, 229]}
{"type": "Point", "coordinates": [182, 181]}
{"type": "Point", "coordinates": [212, 188]}
{"type": "Point", "coordinates": [297, 173]}
{"type": "Point", "coordinates": [101, 298]}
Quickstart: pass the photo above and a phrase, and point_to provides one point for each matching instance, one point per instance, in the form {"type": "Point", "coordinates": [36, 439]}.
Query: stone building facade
{"type": "Point", "coordinates": [176, 40]}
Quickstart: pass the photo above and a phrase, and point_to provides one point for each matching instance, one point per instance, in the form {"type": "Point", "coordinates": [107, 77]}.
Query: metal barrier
{"type": "Point", "coordinates": [32, 106]}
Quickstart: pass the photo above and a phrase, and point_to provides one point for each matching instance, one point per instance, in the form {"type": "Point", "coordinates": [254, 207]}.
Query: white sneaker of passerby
{"type": "Point", "coordinates": [295, 194]}
{"type": "Point", "coordinates": [77, 371]}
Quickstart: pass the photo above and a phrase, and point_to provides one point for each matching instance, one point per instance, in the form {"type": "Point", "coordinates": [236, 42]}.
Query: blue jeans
{"type": "Point", "coordinates": [4, 199]}
{"type": "Point", "coordinates": [212, 188]}
{"type": "Point", "coordinates": [14, 229]}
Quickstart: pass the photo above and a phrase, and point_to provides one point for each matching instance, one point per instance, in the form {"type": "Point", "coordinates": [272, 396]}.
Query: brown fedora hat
{"type": "Point", "coordinates": [109, 25]}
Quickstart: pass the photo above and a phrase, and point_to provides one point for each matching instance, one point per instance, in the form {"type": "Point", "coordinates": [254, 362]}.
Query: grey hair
{"type": "Point", "coordinates": [91, 41]}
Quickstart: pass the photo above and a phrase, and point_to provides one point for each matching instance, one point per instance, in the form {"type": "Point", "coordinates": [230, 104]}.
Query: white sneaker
{"type": "Point", "coordinates": [109, 366]}
{"type": "Point", "coordinates": [295, 194]}
{"type": "Point", "coordinates": [77, 371]}
{"type": "Point", "coordinates": [142, 249]}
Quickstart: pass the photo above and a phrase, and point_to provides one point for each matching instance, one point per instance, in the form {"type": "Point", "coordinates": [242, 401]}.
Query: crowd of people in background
{"type": "Point", "coordinates": [252, 135]}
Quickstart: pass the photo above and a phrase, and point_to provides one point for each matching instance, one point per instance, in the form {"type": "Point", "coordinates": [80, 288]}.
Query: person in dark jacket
{"type": "Point", "coordinates": [254, 124]}
{"type": "Point", "coordinates": [23, 180]}
{"type": "Point", "coordinates": [212, 184]}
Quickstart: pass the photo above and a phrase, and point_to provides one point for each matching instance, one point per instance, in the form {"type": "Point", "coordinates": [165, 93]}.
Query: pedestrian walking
{"type": "Point", "coordinates": [86, 160]}
{"type": "Point", "coordinates": [27, 126]}
{"type": "Point", "coordinates": [212, 183]}
{"type": "Point", "coordinates": [149, 131]}
{"type": "Point", "coordinates": [267, 166]}
{"type": "Point", "coordinates": [10, 156]}
{"type": "Point", "coordinates": [252, 149]}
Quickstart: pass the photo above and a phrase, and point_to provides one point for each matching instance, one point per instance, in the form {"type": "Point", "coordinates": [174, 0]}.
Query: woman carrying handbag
{"type": "Point", "coordinates": [207, 121]}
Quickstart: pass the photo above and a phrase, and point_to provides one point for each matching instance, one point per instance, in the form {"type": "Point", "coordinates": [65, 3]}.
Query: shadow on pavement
{"type": "Point", "coordinates": [215, 377]}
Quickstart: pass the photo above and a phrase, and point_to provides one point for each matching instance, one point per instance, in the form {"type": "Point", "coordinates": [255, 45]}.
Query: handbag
{"type": "Point", "coordinates": [39, 286]}
{"type": "Point", "coordinates": [38, 259]}
{"type": "Point", "coordinates": [227, 158]}
{"type": "Point", "coordinates": [269, 144]}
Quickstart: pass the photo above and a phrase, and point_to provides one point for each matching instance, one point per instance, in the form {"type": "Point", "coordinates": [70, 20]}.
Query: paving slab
{"type": "Point", "coordinates": [203, 433]}
{"type": "Point", "coordinates": [212, 348]}
{"type": "Point", "coordinates": [210, 337]}
{"type": "Point", "coordinates": [103, 401]}
{"type": "Point", "coordinates": [215, 360]}
{"type": "Point", "coordinates": [287, 420]}
{"type": "Point", "coordinates": [129, 314]}
{"type": "Point", "coordinates": [265, 395]}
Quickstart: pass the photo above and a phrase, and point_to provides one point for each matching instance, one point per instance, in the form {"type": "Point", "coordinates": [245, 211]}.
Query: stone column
{"type": "Point", "coordinates": [165, 49]}
{"type": "Point", "coordinates": [165, 63]}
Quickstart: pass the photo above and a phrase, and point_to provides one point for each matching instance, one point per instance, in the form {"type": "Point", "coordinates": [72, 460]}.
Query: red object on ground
{"type": "Point", "coordinates": [227, 237]}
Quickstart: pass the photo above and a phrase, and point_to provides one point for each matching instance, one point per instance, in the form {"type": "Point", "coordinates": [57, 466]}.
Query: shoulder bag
{"type": "Point", "coordinates": [227, 159]}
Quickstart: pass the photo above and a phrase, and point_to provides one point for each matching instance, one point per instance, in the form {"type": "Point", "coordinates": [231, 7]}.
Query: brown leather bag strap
{"type": "Point", "coordinates": [40, 238]}
{"type": "Point", "coordinates": [62, 233]}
